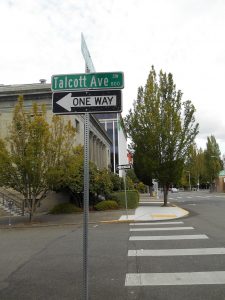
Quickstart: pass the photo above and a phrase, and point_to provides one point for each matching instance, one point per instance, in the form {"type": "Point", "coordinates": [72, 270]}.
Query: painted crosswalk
{"type": "Point", "coordinates": [194, 196]}
{"type": "Point", "coordinates": [168, 237]}
{"type": "Point", "coordinates": [177, 252]}
{"type": "Point", "coordinates": [162, 229]}
{"type": "Point", "coordinates": [189, 278]}
{"type": "Point", "coordinates": [146, 233]}
{"type": "Point", "coordinates": [156, 223]}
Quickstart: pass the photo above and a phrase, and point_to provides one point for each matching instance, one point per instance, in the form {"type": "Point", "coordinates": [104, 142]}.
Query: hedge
{"type": "Point", "coordinates": [132, 198]}
{"type": "Point", "coordinates": [106, 204]}
{"type": "Point", "coordinates": [65, 208]}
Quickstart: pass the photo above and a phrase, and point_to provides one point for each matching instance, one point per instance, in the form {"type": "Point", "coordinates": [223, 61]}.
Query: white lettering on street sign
{"type": "Point", "coordinates": [68, 101]}
{"type": "Point", "coordinates": [124, 167]}
{"type": "Point", "coordinates": [84, 81]}
{"type": "Point", "coordinates": [87, 101]}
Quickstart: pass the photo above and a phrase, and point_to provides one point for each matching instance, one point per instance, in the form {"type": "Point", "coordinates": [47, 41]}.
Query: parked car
{"type": "Point", "coordinates": [174, 190]}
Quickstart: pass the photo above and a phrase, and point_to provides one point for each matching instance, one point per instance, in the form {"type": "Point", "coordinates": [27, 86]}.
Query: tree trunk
{"type": "Point", "coordinates": [151, 190]}
{"type": "Point", "coordinates": [165, 194]}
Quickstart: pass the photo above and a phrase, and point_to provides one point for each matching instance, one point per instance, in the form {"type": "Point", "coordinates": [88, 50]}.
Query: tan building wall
{"type": "Point", "coordinates": [41, 94]}
{"type": "Point", "coordinates": [220, 184]}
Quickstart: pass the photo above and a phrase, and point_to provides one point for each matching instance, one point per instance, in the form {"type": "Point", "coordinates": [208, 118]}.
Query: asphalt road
{"type": "Point", "coordinates": [46, 262]}
{"type": "Point", "coordinates": [199, 271]}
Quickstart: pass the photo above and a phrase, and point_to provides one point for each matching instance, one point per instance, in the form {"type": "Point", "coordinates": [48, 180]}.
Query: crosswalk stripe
{"type": "Point", "coordinates": [176, 252]}
{"type": "Point", "coordinates": [156, 223]}
{"type": "Point", "coordinates": [151, 202]}
{"type": "Point", "coordinates": [161, 228]}
{"type": "Point", "coordinates": [168, 237]}
{"type": "Point", "coordinates": [189, 278]}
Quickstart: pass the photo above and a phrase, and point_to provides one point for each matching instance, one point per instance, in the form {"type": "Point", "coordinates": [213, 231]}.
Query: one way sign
{"type": "Point", "coordinates": [87, 101]}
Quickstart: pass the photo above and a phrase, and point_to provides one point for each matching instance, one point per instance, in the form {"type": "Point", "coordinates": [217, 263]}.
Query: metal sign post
{"type": "Point", "coordinates": [124, 168]}
{"type": "Point", "coordinates": [10, 205]}
{"type": "Point", "coordinates": [125, 192]}
{"type": "Point", "coordinates": [84, 94]}
{"type": "Point", "coordinates": [86, 205]}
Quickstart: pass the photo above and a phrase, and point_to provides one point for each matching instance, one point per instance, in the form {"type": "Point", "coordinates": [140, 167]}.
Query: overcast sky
{"type": "Point", "coordinates": [40, 38]}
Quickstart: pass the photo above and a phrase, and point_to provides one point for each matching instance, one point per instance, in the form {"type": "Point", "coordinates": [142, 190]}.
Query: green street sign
{"type": "Point", "coordinates": [84, 81]}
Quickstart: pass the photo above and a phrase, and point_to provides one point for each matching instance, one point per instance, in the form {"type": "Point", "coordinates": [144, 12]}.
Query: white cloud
{"type": "Point", "coordinates": [40, 38]}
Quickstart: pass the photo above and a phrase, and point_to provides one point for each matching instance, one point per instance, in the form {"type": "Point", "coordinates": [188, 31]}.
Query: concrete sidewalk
{"type": "Point", "coordinates": [155, 213]}
{"type": "Point", "coordinates": [151, 209]}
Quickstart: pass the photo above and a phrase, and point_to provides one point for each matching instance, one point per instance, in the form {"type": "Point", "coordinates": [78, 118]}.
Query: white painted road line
{"type": "Point", "coordinates": [156, 223]}
{"type": "Point", "coordinates": [176, 252]}
{"type": "Point", "coordinates": [168, 237]}
{"type": "Point", "coordinates": [152, 202]}
{"type": "Point", "coordinates": [190, 278]}
{"type": "Point", "coordinates": [161, 228]}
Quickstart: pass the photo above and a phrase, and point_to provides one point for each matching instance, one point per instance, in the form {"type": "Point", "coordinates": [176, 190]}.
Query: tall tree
{"type": "Point", "coordinates": [194, 167]}
{"type": "Point", "coordinates": [213, 161]}
{"type": "Point", "coordinates": [163, 127]}
{"type": "Point", "coordinates": [35, 149]}
{"type": "Point", "coordinates": [143, 168]}
{"type": "Point", "coordinates": [142, 165]}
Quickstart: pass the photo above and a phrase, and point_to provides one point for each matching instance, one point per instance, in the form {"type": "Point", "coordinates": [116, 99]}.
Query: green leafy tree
{"type": "Point", "coordinates": [162, 129]}
{"type": "Point", "coordinates": [143, 167]}
{"type": "Point", "coordinates": [5, 164]}
{"type": "Point", "coordinates": [129, 183]}
{"type": "Point", "coordinates": [102, 184]}
{"type": "Point", "coordinates": [137, 184]}
{"type": "Point", "coordinates": [34, 149]}
{"type": "Point", "coordinates": [194, 167]}
{"type": "Point", "coordinates": [200, 167]}
{"type": "Point", "coordinates": [213, 162]}
{"type": "Point", "coordinates": [117, 181]}
{"type": "Point", "coordinates": [70, 177]}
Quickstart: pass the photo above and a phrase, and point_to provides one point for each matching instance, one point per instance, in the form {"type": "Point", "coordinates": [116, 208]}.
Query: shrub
{"type": "Point", "coordinates": [141, 187]}
{"type": "Point", "coordinates": [116, 181]}
{"type": "Point", "coordinates": [132, 199]}
{"type": "Point", "coordinates": [65, 208]}
{"type": "Point", "coordinates": [106, 204]}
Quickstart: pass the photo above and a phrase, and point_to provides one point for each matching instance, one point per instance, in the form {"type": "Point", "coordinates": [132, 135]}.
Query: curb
{"type": "Point", "coordinates": [113, 221]}
{"type": "Point", "coordinates": [186, 212]}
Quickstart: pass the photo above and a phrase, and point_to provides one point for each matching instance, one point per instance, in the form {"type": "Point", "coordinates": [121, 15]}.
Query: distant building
{"type": "Point", "coordinates": [130, 157]}
{"type": "Point", "coordinates": [100, 142]}
{"type": "Point", "coordinates": [220, 182]}
{"type": "Point", "coordinates": [112, 123]}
